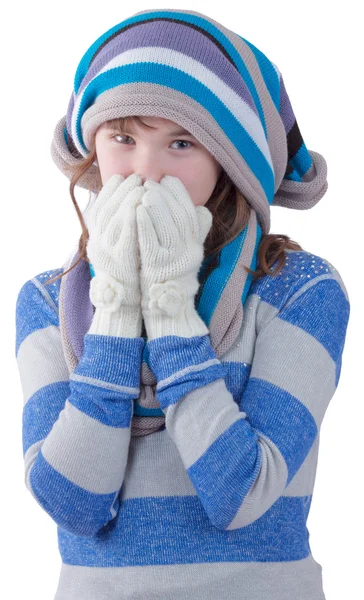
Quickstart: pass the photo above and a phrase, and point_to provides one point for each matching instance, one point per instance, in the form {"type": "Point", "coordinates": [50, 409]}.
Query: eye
{"type": "Point", "coordinates": [184, 142]}
{"type": "Point", "coordinates": [120, 135]}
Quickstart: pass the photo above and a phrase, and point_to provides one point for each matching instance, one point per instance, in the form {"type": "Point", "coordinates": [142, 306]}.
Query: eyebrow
{"type": "Point", "coordinates": [178, 131]}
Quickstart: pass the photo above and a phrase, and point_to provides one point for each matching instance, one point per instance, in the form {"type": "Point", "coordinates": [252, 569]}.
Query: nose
{"type": "Point", "coordinates": [147, 165]}
{"type": "Point", "coordinates": [145, 178]}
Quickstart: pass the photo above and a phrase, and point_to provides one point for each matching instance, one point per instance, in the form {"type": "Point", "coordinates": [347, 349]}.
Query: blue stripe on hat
{"type": "Point", "coordinates": [85, 62]}
{"type": "Point", "coordinates": [269, 73]}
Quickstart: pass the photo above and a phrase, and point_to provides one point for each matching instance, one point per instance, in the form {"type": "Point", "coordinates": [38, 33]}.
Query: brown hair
{"type": "Point", "coordinates": [227, 204]}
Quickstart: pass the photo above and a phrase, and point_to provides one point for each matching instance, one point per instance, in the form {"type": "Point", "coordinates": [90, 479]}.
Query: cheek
{"type": "Point", "coordinates": [109, 165]}
{"type": "Point", "coordinates": [200, 190]}
{"type": "Point", "coordinates": [202, 182]}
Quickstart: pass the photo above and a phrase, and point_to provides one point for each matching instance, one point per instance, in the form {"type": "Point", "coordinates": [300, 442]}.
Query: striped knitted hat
{"type": "Point", "coordinates": [186, 67]}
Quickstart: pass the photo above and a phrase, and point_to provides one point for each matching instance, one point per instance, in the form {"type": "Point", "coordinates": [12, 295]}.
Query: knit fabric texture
{"type": "Point", "coordinates": [186, 67]}
{"type": "Point", "coordinates": [215, 504]}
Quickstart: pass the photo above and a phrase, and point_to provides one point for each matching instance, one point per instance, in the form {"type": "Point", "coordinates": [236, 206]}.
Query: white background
{"type": "Point", "coordinates": [316, 46]}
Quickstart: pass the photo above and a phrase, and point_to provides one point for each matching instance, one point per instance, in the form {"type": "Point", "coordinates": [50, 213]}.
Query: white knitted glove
{"type": "Point", "coordinates": [171, 232]}
{"type": "Point", "coordinates": [113, 251]}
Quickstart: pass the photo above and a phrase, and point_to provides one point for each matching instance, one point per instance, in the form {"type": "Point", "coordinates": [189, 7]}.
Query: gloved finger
{"type": "Point", "coordinates": [161, 217]}
{"type": "Point", "coordinates": [104, 194]}
{"type": "Point", "coordinates": [205, 221]}
{"type": "Point", "coordinates": [147, 237]}
{"type": "Point", "coordinates": [89, 207]}
{"type": "Point", "coordinates": [175, 206]}
{"type": "Point", "coordinates": [112, 202]}
{"type": "Point", "coordinates": [118, 222]}
{"type": "Point", "coordinates": [183, 206]}
{"type": "Point", "coordinates": [127, 244]}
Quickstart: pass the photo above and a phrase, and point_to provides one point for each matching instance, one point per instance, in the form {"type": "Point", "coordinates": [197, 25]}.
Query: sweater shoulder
{"type": "Point", "coordinates": [37, 304]}
{"type": "Point", "coordinates": [52, 289]}
{"type": "Point", "coordinates": [300, 271]}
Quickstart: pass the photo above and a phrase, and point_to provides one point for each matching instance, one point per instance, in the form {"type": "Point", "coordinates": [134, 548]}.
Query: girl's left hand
{"type": "Point", "coordinates": [171, 232]}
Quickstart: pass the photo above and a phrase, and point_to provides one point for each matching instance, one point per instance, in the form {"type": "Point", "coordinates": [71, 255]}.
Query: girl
{"type": "Point", "coordinates": [177, 368]}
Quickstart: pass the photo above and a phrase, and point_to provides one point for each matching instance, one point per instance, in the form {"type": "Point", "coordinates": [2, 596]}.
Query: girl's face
{"type": "Point", "coordinates": [153, 153]}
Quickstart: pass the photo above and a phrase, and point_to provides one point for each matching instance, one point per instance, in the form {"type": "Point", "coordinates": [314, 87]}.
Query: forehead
{"type": "Point", "coordinates": [159, 123]}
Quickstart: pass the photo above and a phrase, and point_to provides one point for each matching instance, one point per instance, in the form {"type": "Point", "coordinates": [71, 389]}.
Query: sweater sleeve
{"type": "Point", "coordinates": [76, 428]}
{"type": "Point", "coordinates": [241, 459]}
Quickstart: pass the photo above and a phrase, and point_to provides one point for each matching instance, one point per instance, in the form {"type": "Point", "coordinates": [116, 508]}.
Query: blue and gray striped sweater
{"type": "Point", "coordinates": [215, 505]}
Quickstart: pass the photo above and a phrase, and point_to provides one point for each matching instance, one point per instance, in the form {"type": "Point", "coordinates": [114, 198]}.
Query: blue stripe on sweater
{"type": "Point", "coordinates": [32, 313]}
{"type": "Point", "coordinates": [300, 269]}
{"type": "Point", "coordinates": [236, 378]}
{"type": "Point", "coordinates": [69, 505]}
{"type": "Point", "coordinates": [41, 411]}
{"type": "Point", "coordinates": [52, 289]}
{"type": "Point", "coordinates": [327, 325]}
{"type": "Point", "coordinates": [283, 419]}
{"type": "Point", "coordinates": [106, 373]}
{"type": "Point", "coordinates": [176, 529]}
{"type": "Point", "coordinates": [111, 359]}
{"type": "Point", "coordinates": [181, 365]}
{"type": "Point", "coordinates": [110, 407]}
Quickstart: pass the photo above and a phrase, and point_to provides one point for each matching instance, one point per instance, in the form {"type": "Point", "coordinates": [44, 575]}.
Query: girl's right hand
{"type": "Point", "coordinates": [112, 247]}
